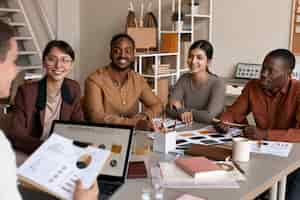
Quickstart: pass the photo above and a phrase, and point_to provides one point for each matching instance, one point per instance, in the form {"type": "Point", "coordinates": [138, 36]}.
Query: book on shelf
{"type": "Point", "coordinates": [163, 69]}
{"type": "Point", "coordinates": [199, 167]}
{"type": "Point", "coordinates": [58, 163]}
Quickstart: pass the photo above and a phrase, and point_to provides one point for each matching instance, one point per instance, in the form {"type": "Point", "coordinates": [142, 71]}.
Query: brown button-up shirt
{"type": "Point", "coordinates": [278, 113]}
{"type": "Point", "coordinates": [108, 102]}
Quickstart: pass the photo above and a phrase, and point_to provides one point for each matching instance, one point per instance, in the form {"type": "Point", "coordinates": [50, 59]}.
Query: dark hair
{"type": "Point", "coordinates": [6, 33]}
{"type": "Point", "coordinates": [207, 47]}
{"type": "Point", "coordinates": [287, 56]}
{"type": "Point", "coordinates": [204, 45]}
{"type": "Point", "coordinates": [61, 45]}
{"type": "Point", "coordinates": [122, 36]}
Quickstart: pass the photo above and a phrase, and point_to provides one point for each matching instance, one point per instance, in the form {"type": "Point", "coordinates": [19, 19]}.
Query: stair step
{"type": "Point", "coordinates": [23, 38]}
{"type": "Point", "coordinates": [21, 68]}
{"type": "Point", "coordinates": [17, 24]}
{"type": "Point", "coordinates": [22, 53]}
{"type": "Point", "coordinates": [10, 10]}
{"type": "Point", "coordinates": [33, 76]}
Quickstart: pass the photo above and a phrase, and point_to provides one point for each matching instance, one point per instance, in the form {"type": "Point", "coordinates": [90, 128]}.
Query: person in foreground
{"type": "Point", "coordinates": [113, 92]}
{"type": "Point", "coordinates": [37, 104]}
{"type": "Point", "coordinates": [8, 178]}
{"type": "Point", "coordinates": [274, 100]}
{"type": "Point", "coordinates": [198, 95]}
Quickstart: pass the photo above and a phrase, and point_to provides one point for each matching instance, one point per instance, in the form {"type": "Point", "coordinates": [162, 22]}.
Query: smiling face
{"type": "Point", "coordinates": [274, 74]}
{"type": "Point", "coordinates": [58, 64]}
{"type": "Point", "coordinates": [122, 54]}
{"type": "Point", "coordinates": [197, 60]}
{"type": "Point", "coordinates": [8, 68]}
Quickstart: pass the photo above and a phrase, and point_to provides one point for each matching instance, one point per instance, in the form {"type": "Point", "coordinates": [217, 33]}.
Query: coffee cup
{"type": "Point", "coordinates": [240, 149]}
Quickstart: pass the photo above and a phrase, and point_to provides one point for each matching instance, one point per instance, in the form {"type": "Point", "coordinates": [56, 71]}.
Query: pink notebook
{"type": "Point", "coordinates": [198, 166]}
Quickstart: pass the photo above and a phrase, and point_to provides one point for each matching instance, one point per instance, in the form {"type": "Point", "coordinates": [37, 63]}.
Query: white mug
{"type": "Point", "coordinates": [240, 149]}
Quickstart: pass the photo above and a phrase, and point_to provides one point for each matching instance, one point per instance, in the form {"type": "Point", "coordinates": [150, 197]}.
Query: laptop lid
{"type": "Point", "coordinates": [117, 138]}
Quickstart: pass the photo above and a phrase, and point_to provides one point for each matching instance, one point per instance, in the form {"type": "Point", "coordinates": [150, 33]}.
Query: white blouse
{"type": "Point", "coordinates": [8, 172]}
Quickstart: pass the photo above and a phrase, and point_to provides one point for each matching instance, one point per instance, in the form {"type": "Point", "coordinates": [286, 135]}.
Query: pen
{"type": "Point", "coordinates": [238, 167]}
{"type": "Point", "coordinates": [230, 123]}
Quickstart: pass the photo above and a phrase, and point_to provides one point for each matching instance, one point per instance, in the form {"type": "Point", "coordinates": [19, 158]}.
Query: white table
{"type": "Point", "coordinates": [262, 171]}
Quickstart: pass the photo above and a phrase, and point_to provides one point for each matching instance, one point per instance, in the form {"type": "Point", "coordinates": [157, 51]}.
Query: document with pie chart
{"type": "Point", "coordinates": [56, 165]}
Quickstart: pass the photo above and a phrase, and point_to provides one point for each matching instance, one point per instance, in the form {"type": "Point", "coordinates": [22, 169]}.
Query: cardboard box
{"type": "Point", "coordinates": [145, 38]}
{"type": "Point", "coordinates": [169, 42]}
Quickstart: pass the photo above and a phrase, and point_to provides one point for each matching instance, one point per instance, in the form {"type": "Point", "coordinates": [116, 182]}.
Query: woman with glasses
{"type": "Point", "coordinates": [37, 104]}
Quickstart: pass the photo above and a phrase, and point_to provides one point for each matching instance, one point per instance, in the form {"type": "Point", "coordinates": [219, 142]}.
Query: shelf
{"type": "Point", "coordinates": [199, 16]}
{"type": "Point", "coordinates": [158, 75]}
{"type": "Point", "coordinates": [20, 68]}
{"type": "Point", "coordinates": [17, 24]}
{"type": "Point", "coordinates": [23, 38]}
{"type": "Point", "coordinates": [153, 54]}
{"type": "Point", "coordinates": [181, 32]}
{"type": "Point", "coordinates": [10, 10]}
{"type": "Point", "coordinates": [23, 53]}
{"type": "Point", "coordinates": [184, 70]}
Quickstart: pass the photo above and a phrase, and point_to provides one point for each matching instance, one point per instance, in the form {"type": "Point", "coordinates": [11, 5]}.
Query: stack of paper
{"type": "Point", "coordinates": [170, 176]}
{"type": "Point", "coordinates": [281, 149]}
{"type": "Point", "coordinates": [58, 163]}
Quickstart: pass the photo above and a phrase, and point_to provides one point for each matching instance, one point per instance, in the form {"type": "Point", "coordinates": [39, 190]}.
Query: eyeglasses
{"type": "Point", "coordinates": [53, 60]}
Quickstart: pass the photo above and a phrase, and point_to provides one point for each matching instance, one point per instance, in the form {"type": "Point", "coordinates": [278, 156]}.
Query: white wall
{"type": "Point", "coordinates": [243, 31]}
{"type": "Point", "coordinates": [99, 21]}
{"type": "Point", "coordinates": [64, 18]}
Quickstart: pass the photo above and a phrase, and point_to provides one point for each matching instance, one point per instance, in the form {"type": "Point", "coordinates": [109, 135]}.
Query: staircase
{"type": "Point", "coordinates": [29, 56]}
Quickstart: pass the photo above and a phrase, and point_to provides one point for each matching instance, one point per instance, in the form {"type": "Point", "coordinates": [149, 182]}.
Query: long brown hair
{"type": "Point", "coordinates": [205, 46]}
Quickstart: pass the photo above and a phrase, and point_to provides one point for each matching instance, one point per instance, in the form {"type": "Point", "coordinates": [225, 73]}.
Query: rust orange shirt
{"type": "Point", "coordinates": [108, 102]}
{"type": "Point", "coordinates": [278, 113]}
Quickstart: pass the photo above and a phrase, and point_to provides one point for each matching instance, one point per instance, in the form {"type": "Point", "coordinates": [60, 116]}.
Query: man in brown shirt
{"type": "Point", "coordinates": [274, 100]}
{"type": "Point", "coordinates": [112, 92]}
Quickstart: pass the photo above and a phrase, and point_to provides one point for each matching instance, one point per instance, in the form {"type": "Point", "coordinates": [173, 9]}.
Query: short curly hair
{"type": "Point", "coordinates": [287, 56]}
{"type": "Point", "coordinates": [121, 36]}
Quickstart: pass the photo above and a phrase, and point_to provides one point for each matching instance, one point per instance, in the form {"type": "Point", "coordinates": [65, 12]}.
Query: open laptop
{"type": "Point", "coordinates": [117, 138]}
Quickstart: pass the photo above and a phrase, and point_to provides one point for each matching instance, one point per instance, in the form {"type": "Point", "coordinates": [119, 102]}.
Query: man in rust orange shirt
{"type": "Point", "coordinates": [274, 101]}
{"type": "Point", "coordinates": [112, 92]}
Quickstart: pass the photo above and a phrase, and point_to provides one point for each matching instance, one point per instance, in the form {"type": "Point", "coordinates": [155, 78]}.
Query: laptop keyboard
{"type": "Point", "coordinates": [107, 189]}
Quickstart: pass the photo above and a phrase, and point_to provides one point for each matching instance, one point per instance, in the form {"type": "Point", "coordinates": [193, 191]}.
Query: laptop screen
{"type": "Point", "coordinates": [115, 138]}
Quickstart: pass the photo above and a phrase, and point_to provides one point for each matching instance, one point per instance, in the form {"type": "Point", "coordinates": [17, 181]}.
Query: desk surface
{"type": "Point", "coordinates": [262, 171]}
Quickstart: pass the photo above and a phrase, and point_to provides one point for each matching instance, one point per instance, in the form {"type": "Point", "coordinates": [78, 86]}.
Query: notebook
{"type": "Point", "coordinates": [137, 169]}
{"type": "Point", "coordinates": [198, 167]}
{"type": "Point", "coordinates": [116, 138]}
{"type": "Point", "coordinates": [56, 165]}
